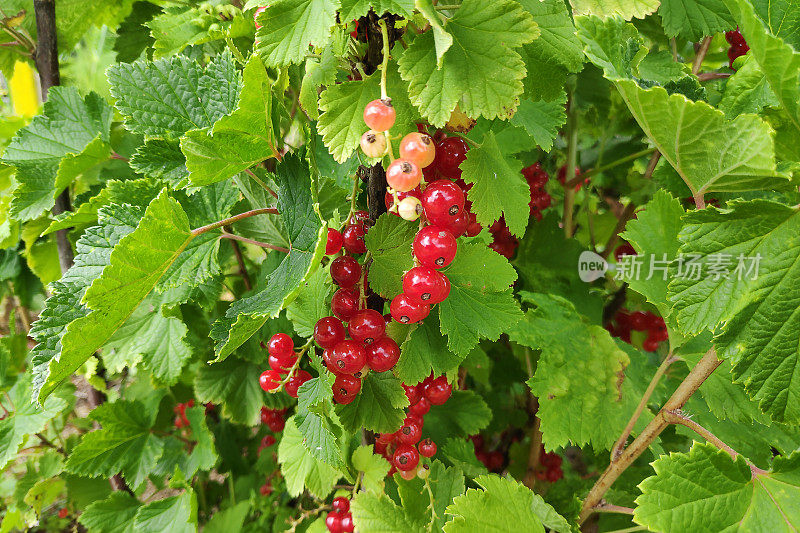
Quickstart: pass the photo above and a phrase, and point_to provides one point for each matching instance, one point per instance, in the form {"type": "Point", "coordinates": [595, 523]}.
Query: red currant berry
{"type": "Point", "coordinates": [450, 153]}
{"type": "Point", "coordinates": [406, 311]}
{"type": "Point", "coordinates": [496, 461]}
{"type": "Point", "coordinates": [345, 303]}
{"type": "Point", "coordinates": [438, 391]}
{"type": "Point", "coordinates": [458, 226]}
{"type": "Point", "coordinates": [63, 512]}
{"type": "Point", "coordinates": [345, 271]}
{"type": "Point", "coordinates": [266, 442]}
{"type": "Point", "coordinates": [420, 408]}
{"type": "Point", "coordinates": [341, 504]}
{"type": "Point", "coordinates": [373, 143]}
{"type": "Point", "coordinates": [735, 37]}
{"type": "Point", "coordinates": [639, 321]}
{"type": "Point", "coordinates": [354, 238]}
{"type": "Point", "coordinates": [383, 354]}
{"type": "Point", "coordinates": [346, 388]}
{"type": "Point", "coordinates": [554, 475]}
{"type": "Point", "coordinates": [405, 458]}
{"type": "Point", "coordinates": [442, 200]}
{"type": "Point", "coordinates": [379, 115]}
{"type": "Point", "coordinates": [359, 216]}
{"type": "Point", "coordinates": [426, 285]}
{"type": "Point", "coordinates": [650, 345]}
{"type": "Point", "coordinates": [427, 448]}
{"type": "Point", "coordinates": [334, 522]}
{"type": "Point", "coordinates": [434, 247]}
{"type": "Point", "coordinates": [418, 148]}
{"type": "Point", "coordinates": [334, 242]}
{"type": "Point", "coordinates": [281, 345]}
{"type": "Point", "coordinates": [403, 175]}
{"type": "Point", "coordinates": [348, 357]}
{"type": "Point", "coordinates": [410, 432]}
{"type": "Point", "coordinates": [474, 226]}
{"type": "Point", "coordinates": [328, 332]}
{"type": "Point", "coordinates": [413, 393]}
{"type": "Point", "coordinates": [366, 326]}
{"type": "Point", "coordinates": [297, 379]}
{"type": "Point", "coordinates": [282, 364]}
{"type": "Point", "coordinates": [347, 523]}
{"type": "Point", "coordinates": [269, 380]}
{"type": "Point", "coordinates": [659, 335]}
{"type": "Point", "coordinates": [277, 425]}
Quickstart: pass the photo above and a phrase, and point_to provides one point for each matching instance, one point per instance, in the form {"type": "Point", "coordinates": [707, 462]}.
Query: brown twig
{"type": "Point", "coordinates": [701, 55]}
{"type": "Point", "coordinates": [707, 364]}
{"type": "Point", "coordinates": [236, 218]}
{"type": "Point", "coordinates": [255, 243]}
{"type": "Point", "coordinates": [237, 252]}
{"type": "Point", "coordinates": [626, 215]}
{"type": "Point", "coordinates": [605, 507]}
{"type": "Point", "coordinates": [708, 76]}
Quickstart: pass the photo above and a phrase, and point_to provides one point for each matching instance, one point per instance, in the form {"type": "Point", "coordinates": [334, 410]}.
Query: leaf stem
{"type": "Point", "coordinates": [260, 182]}
{"type": "Point", "coordinates": [572, 158]}
{"type": "Point", "coordinates": [432, 500]}
{"type": "Point", "coordinates": [255, 243]}
{"type": "Point", "coordinates": [49, 444]}
{"type": "Point", "coordinates": [701, 54]}
{"type": "Point", "coordinates": [707, 364]}
{"type": "Point", "coordinates": [677, 417]}
{"type": "Point", "coordinates": [616, 451]}
{"type": "Point", "coordinates": [447, 7]}
{"type": "Point", "coordinates": [699, 201]}
{"type": "Point", "coordinates": [237, 218]}
{"type": "Point", "coordinates": [385, 61]}
{"type": "Point", "coordinates": [605, 507]}
{"type": "Point", "coordinates": [624, 217]}
{"type": "Point", "coordinates": [602, 168]}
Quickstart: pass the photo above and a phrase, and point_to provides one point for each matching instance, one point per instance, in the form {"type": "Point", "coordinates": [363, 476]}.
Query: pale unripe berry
{"type": "Point", "coordinates": [409, 208]}
{"type": "Point", "coordinates": [373, 143]}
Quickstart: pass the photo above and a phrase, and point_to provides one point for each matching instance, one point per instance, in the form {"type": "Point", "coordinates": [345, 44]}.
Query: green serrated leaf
{"type": "Point", "coordinates": [168, 97]}
{"type": "Point", "coordinates": [374, 468]}
{"type": "Point", "coordinates": [311, 303]}
{"type": "Point", "coordinates": [747, 91]}
{"type": "Point", "coordinates": [124, 444]}
{"type": "Point", "coordinates": [379, 406]}
{"type": "Point", "coordinates": [353, 9]}
{"type": "Point", "coordinates": [503, 505]}
{"type": "Point", "coordinates": [705, 490]}
{"type": "Point", "coordinates": [424, 352]}
{"type": "Point", "coordinates": [300, 469]}
{"type": "Point", "coordinates": [579, 375]}
{"type": "Point", "coordinates": [477, 307]}
{"type": "Point", "coordinates": [233, 384]}
{"type": "Point", "coordinates": [557, 42]}
{"type": "Point", "coordinates": [464, 414]}
{"type": "Point", "coordinates": [627, 9]}
{"type": "Point", "coordinates": [377, 512]}
{"type": "Point", "coordinates": [239, 140]}
{"type": "Point", "coordinates": [289, 27]}
{"type": "Point", "coordinates": [694, 19]}
{"type": "Point", "coordinates": [541, 119]}
{"type": "Point", "coordinates": [389, 242]}
{"type": "Point", "coordinates": [68, 138]}
{"type": "Point", "coordinates": [115, 514]}
{"type": "Point", "coordinates": [163, 160]}
{"type": "Point", "coordinates": [482, 56]}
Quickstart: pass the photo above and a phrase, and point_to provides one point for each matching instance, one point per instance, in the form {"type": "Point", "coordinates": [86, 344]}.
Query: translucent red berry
{"type": "Point", "coordinates": [328, 331]}
{"type": "Point", "coordinates": [418, 148]}
{"type": "Point", "coordinates": [410, 432]}
{"type": "Point", "coordinates": [438, 391]}
{"type": "Point", "coordinates": [403, 175]}
{"type": "Point", "coordinates": [450, 153]}
{"type": "Point", "coordinates": [427, 448]}
{"type": "Point", "coordinates": [333, 521]}
{"type": "Point", "coordinates": [345, 303]}
{"type": "Point", "coordinates": [345, 271]}
{"type": "Point", "coordinates": [407, 311]}
{"type": "Point", "coordinates": [280, 345]}
{"type": "Point", "coordinates": [383, 354]}
{"type": "Point", "coordinates": [379, 115]}
{"type": "Point", "coordinates": [426, 285]}
{"type": "Point", "coordinates": [282, 364]}
{"type": "Point", "coordinates": [346, 388]}
{"type": "Point", "coordinates": [420, 408]}
{"type": "Point", "coordinates": [298, 378]}
{"type": "Point", "coordinates": [341, 504]}
{"type": "Point", "coordinates": [354, 238]}
{"type": "Point", "coordinates": [348, 357]}
{"type": "Point", "coordinates": [366, 326]}
{"type": "Point", "coordinates": [413, 393]}
{"type": "Point", "coordinates": [434, 247]}
{"type": "Point", "coordinates": [405, 458]}
{"type": "Point", "coordinates": [269, 380]}
{"type": "Point", "coordinates": [442, 201]}
{"type": "Point", "coordinates": [334, 243]}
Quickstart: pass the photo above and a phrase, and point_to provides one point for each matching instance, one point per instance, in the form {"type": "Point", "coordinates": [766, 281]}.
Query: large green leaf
{"type": "Point", "coordinates": [480, 72]}
{"type": "Point", "coordinates": [232, 384]}
{"type": "Point", "coordinates": [124, 445]}
{"type": "Point", "coordinates": [478, 306]}
{"type": "Point", "coordinates": [747, 257]}
{"type": "Point", "coordinates": [425, 351]}
{"type": "Point", "coordinates": [502, 504]}
{"type": "Point", "coordinates": [557, 42]}
{"type": "Point", "coordinates": [306, 246]}
{"type": "Point", "coordinates": [353, 9]}
{"type": "Point", "coordinates": [68, 138]}
{"type": "Point", "coordinates": [289, 27]}
{"type": "Point", "coordinates": [694, 19]}
{"type": "Point", "coordinates": [168, 97]}
{"type": "Point", "coordinates": [389, 242]}
{"type": "Point", "coordinates": [301, 470]}
{"type": "Point", "coordinates": [134, 267]}
{"type": "Point", "coordinates": [380, 406]}
{"type": "Point", "coordinates": [706, 490]}
{"type": "Point", "coordinates": [578, 376]}
{"type": "Point", "coordinates": [627, 9]}
{"type": "Point", "coordinates": [499, 189]}
{"type": "Point", "coordinates": [237, 141]}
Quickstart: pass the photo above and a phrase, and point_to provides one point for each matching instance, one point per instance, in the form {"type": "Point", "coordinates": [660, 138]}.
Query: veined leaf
{"type": "Point", "coordinates": [300, 469]}
{"type": "Point", "coordinates": [389, 241]}
{"type": "Point", "coordinates": [627, 9]}
{"type": "Point", "coordinates": [379, 406]}
{"type": "Point", "coordinates": [289, 27]}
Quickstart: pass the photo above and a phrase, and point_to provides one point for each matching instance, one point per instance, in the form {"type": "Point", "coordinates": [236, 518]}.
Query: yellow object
{"type": "Point", "coordinates": [23, 90]}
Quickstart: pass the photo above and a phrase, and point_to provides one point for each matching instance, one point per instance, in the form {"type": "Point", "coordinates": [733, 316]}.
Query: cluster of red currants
{"type": "Point", "coordinates": [550, 466]}
{"type": "Point", "coordinates": [493, 460]}
{"type": "Point", "coordinates": [403, 448]}
{"type": "Point", "coordinates": [275, 420]}
{"type": "Point", "coordinates": [738, 45]}
{"type": "Point", "coordinates": [340, 519]}
{"type": "Point", "coordinates": [180, 414]}
{"type": "Point", "coordinates": [653, 324]}
{"type": "Point", "coordinates": [282, 360]}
